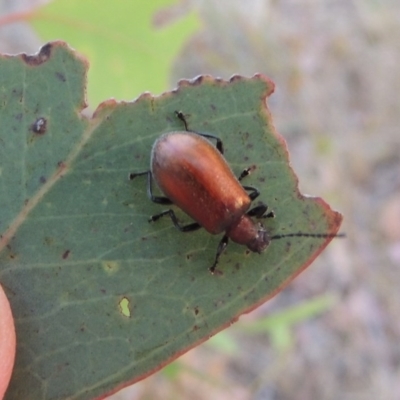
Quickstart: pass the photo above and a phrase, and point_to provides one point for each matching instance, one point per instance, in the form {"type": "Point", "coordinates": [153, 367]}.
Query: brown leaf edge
{"type": "Point", "coordinates": [334, 218]}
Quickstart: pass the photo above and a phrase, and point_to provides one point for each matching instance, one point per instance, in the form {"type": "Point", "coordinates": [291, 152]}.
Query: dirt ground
{"type": "Point", "coordinates": [336, 68]}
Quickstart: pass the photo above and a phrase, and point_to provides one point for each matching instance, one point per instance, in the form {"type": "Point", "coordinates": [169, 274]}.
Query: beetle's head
{"type": "Point", "coordinates": [261, 239]}
{"type": "Point", "coordinates": [250, 233]}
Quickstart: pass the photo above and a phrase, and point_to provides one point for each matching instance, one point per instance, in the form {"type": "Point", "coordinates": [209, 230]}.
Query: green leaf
{"type": "Point", "coordinates": [128, 55]}
{"type": "Point", "coordinates": [102, 298]}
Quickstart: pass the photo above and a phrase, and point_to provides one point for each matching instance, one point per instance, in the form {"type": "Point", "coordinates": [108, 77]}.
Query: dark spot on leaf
{"type": "Point", "coordinates": [213, 107]}
{"type": "Point", "coordinates": [66, 254]}
{"type": "Point", "coordinates": [42, 179]}
{"type": "Point", "coordinates": [219, 303]}
{"type": "Point", "coordinates": [196, 310]}
{"type": "Point", "coordinates": [48, 241]}
{"type": "Point", "coordinates": [61, 367]}
{"type": "Point", "coordinates": [39, 126]}
{"type": "Point", "coordinates": [189, 256]}
{"type": "Point", "coordinates": [61, 77]}
{"type": "Point", "coordinates": [196, 328]}
{"type": "Point", "coordinates": [37, 59]}
{"type": "Point", "coordinates": [104, 291]}
{"type": "Point", "coordinates": [17, 93]}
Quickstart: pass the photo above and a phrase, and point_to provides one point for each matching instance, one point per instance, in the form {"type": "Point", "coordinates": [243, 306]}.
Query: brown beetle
{"type": "Point", "coordinates": [194, 175]}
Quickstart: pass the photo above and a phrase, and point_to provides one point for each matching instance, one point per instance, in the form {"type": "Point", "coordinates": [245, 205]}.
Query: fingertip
{"type": "Point", "coordinates": [7, 342]}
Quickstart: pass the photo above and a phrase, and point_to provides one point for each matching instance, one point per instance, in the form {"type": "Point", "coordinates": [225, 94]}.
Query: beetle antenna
{"type": "Point", "coordinates": [182, 117]}
{"type": "Point", "coordinates": [315, 235]}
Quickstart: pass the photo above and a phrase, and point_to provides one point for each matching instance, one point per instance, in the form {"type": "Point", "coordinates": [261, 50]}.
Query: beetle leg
{"type": "Point", "coordinates": [182, 117]}
{"type": "Point", "coordinates": [260, 212]}
{"type": "Point", "coordinates": [183, 228]}
{"type": "Point", "coordinates": [155, 199]}
{"type": "Point", "coordinates": [219, 144]}
{"type": "Point", "coordinates": [221, 248]}
{"type": "Point", "coordinates": [246, 172]}
{"type": "Point", "coordinates": [254, 192]}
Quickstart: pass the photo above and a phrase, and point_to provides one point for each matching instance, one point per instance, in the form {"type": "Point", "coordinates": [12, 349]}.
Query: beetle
{"type": "Point", "coordinates": [194, 175]}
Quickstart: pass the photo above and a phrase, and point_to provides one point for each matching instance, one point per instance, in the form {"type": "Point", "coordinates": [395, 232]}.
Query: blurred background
{"type": "Point", "coordinates": [334, 332]}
